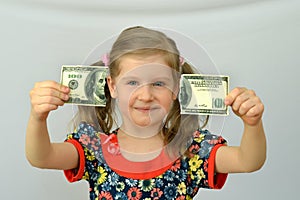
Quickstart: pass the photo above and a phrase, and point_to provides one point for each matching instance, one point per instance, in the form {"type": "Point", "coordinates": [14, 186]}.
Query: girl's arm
{"type": "Point", "coordinates": [251, 154]}
{"type": "Point", "coordinates": [40, 152]}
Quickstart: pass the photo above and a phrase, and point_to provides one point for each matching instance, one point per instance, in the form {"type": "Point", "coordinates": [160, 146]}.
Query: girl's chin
{"type": "Point", "coordinates": [145, 120]}
{"type": "Point", "coordinates": [142, 123]}
{"type": "Point", "coordinates": [146, 123]}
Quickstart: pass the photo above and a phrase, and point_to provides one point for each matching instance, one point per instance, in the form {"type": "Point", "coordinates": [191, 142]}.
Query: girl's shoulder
{"type": "Point", "coordinates": [204, 134]}
{"type": "Point", "coordinates": [204, 141]}
{"type": "Point", "coordinates": [87, 129]}
{"type": "Point", "coordinates": [87, 135]}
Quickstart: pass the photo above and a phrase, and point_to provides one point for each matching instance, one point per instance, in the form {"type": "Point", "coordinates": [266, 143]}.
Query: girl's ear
{"type": "Point", "coordinates": [112, 87]}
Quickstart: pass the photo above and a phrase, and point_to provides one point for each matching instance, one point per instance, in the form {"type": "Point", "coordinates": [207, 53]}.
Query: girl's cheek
{"type": "Point", "coordinates": [126, 97]}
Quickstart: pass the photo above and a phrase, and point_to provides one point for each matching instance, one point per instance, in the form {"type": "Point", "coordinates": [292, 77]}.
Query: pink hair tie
{"type": "Point", "coordinates": [181, 62]}
{"type": "Point", "coordinates": [105, 59]}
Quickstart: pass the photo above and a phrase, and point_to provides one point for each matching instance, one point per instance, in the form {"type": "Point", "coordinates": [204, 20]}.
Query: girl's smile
{"type": "Point", "coordinates": [144, 109]}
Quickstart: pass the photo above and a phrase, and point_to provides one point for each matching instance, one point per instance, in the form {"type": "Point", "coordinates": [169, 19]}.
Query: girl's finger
{"type": "Point", "coordinates": [50, 100]}
{"type": "Point", "coordinates": [233, 94]}
{"type": "Point", "coordinates": [53, 85]}
{"type": "Point", "coordinates": [241, 98]}
{"type": "Point", "coordinates": [52, 93]}
{"type": "Point", "coordinates": [256, 110]}
{"type": "Point", "coordinates": [246, 106]}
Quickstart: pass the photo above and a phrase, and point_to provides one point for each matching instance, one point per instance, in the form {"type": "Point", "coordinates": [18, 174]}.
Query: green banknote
{"type": "Point", "coordinates": [86, 84]}
{"type": "Point", "coordinates": [203, 94]}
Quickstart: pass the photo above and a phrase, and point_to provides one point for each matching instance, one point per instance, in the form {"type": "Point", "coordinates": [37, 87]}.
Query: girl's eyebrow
{"type": "Point", "coordinates": [129, 77]}
{"type": "Point", "coordinates": [164, 78]}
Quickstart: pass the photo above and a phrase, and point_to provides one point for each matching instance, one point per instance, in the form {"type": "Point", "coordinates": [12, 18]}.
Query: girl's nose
{"type": "Point", "coordinates": [145, 93]}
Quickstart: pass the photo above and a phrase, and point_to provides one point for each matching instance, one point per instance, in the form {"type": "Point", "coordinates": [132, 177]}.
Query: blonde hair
{"type": "Point", "coordinates": [142, 41]}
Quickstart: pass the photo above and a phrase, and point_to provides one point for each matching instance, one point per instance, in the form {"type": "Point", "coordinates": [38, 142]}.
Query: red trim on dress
{"type": "Point", "coordinates": [215, 180]}
{"type": "Point", "coordinates": [143, 176]}
{"type": "Point", "coordinates": [73, 175]}
{"type": "Point", "coordinates": [129, 169]}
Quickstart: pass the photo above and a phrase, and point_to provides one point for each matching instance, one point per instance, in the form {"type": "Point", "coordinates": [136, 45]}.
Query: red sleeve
{"type": "Point", "coordinates": [73, 175]}
{"type": "Point", "coordinates": [215, 180]}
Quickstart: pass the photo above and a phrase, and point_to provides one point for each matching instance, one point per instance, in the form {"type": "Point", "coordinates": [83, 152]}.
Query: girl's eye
{"type": "Point", "coordinates": [132, 83]}
{"type": "Point", "coordinates": [159, 84]}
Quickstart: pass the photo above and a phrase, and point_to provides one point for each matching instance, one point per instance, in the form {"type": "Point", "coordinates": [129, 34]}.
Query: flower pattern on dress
{"type": "Point", "coordinates": [181, 181]}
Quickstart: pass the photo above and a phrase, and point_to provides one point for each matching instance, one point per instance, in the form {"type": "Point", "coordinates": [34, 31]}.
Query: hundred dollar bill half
{"type": "Point", "coordinates": [86, 84]}
{"type": "Point", "coordinates": [203, 94]}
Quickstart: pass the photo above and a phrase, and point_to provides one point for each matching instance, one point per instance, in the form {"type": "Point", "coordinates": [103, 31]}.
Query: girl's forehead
{"type": "Point", "coordinates": [135, 60]}
{"type": "Point", "coordinates": [147, 72]}
{"type": "Point", "coordinates": [138, 65]}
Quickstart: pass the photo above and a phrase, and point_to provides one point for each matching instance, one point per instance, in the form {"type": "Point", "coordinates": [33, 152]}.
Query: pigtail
{"type": "Point", "coordinates": [104, 114]}
{"type": "Point", "coordinates": [178, 129]}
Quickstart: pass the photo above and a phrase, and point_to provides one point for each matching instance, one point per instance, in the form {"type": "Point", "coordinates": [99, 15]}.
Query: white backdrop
{"type": "Point", "coordinates": [256, 43]}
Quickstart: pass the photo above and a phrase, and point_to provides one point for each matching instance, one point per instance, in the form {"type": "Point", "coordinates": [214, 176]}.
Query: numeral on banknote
{"type": "Point", "coordinates": [218, 103]}
{"type": "Point", "coordinates": [74, 75]}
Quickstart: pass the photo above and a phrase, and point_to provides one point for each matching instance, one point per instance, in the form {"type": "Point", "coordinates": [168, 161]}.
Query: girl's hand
{"type": "Point", "coordinates": [246, 105]}
{"type": "Point", "coordinates": [47, 96]}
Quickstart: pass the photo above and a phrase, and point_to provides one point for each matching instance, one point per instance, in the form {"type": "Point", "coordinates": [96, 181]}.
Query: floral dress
{"type": "Point", "coordinates": [180, 179]}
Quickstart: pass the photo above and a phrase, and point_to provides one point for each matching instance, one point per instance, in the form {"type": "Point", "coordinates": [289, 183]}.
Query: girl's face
{"type": "Point", "coordinates": [144, 89]}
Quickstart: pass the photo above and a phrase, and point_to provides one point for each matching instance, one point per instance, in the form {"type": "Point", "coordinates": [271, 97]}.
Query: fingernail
{"type": "Point", "coordinates": [66, 89]}
{"type": "Point", "coordinates": [226, 101]}
{"type": "Point", "coordinates": [66, 97]}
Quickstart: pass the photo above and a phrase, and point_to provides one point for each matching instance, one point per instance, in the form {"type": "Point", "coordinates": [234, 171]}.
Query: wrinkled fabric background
{"type": "Point", "coordinates": [256, 43]}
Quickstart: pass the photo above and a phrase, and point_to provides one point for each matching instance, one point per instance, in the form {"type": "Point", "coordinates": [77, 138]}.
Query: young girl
{"type": "Point", "coordinates": [155, 153]}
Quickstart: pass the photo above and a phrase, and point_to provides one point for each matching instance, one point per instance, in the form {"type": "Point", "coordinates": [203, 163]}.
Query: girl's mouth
{"type": "Point", "coordinates": [145, 109]}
